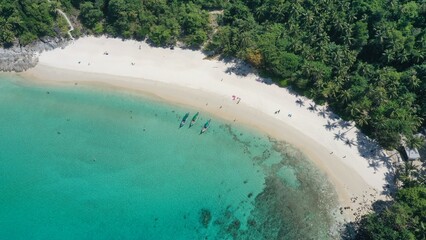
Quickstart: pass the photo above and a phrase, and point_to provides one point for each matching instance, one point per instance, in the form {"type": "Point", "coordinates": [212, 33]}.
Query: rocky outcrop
{"type": "Point", "coordinates": [18, 58]}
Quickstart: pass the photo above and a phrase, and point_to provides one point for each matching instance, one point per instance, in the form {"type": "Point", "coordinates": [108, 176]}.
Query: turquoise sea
{"type": "Point", "coordinates": [85, 163]}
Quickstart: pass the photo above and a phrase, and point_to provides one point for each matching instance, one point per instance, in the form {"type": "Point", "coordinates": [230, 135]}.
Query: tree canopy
{"type": "Point", "coordinates": [25, 21]}
{"type": "Point", "coordinates": [404, 219]}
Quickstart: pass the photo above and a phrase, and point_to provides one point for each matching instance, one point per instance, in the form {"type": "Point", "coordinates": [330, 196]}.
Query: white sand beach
{"type": "Point", "coordinates": [185, 77]}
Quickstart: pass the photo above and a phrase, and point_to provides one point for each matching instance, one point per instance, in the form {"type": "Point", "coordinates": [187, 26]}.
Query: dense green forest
{"type": "Point", "coordinates": [25, 21]}
{"type": "Point", "coordinates": [364, 58]}
{"type": "Point", "coordinates": [162, 22]}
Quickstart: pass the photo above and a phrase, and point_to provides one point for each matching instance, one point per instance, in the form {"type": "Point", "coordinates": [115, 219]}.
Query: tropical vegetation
{"type": "Point", "coordinates": [405, 218]}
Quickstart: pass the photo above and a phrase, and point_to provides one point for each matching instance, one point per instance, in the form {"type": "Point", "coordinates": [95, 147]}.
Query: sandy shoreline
{"type": "Point", "coordinates": [185, 78]}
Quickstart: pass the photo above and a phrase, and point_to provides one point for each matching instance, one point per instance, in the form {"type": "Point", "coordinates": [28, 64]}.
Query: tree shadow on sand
{"type": "Point", "coordinates": [238, 67]}
{"type": "Point", "coordinates": [344, 124]}
{"type": "Point", "coordinates": [377, 159]}
{"type": "Point", "coordinates": [350, 142]}
{"type": "Point", "coordinates": [292, 91]}
{"type": "Point", "coordinates": [243, 69]}
{"type": "Point", "coordinates": [323, 112]}
{"type": "Point", "coordinates": [330, 125]}
{"type": "Point", "coordinates": [340, 136]}
{"type": "Point", "coordinates": [333, 116]}
{"type": "Point", "coordinates": [312, 107]}
{"type": "Point", "coordinates": [300, 102]}
{"type": "Point", "coordinates": [349, 229]}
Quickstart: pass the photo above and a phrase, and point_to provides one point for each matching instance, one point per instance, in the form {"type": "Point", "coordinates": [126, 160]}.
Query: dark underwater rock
{"type": "Point", "coordinates": [205, 217]}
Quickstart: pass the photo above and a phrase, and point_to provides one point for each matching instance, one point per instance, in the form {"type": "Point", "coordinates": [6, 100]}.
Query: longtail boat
{"type": "Point", "coordinates": [205, 127]}
{"type": "Point", "coordinates": [194, 119]}
{"type": "Point", "coordinates": [184, 120]}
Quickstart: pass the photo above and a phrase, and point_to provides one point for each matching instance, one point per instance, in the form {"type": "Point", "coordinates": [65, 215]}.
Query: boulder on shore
{"type": "Point", "coordinates": [21, 58]}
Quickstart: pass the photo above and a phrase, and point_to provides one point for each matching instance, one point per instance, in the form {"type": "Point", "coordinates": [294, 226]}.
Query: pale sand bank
{"type": "Point", "coordinates": [185, 77]}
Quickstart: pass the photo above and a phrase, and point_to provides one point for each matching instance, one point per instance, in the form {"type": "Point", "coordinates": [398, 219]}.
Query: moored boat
{"type": "Point", "coordinates": [205, 127]}
{"type": "Point", "coordinates": [194, 119]}
{"type": "Point", "coordinates": [184, 120]}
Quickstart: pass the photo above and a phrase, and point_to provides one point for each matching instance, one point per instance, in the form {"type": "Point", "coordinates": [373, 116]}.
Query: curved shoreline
{"type": "Point", "coordinates": [182, 77]}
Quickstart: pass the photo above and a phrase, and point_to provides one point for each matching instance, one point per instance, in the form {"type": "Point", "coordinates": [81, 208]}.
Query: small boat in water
{"type": "Point", "coordinates": [194, 119]}
{"type": "Point", "coordinates": [184, 120]}
{"type": "Point", "coordinates": [205, 127]}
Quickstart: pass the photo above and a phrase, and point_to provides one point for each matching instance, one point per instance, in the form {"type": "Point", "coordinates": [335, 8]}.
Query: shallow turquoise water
{"type": "Point", "coordinates": [80, 163]}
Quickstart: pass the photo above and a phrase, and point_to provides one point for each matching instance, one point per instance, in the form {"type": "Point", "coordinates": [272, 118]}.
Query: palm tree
{"type": "Point", "coordinates": [389, 55]}
{"type": "Point", "coordinates": [415, 122]}
{"type": "Point", "coordinates": [414, 81]}
{"type": "Point", "coordinates": [331, 89]}
{"type": "Point", "coordinates": [362, 119]}
{"type": "Point", "coordinates": [295, 10]}
{"type": "Point", "coordinates": [245, 40]}
{"type": "Point", "coordinates": [347, 38]}
{"type": "Point", "coordinates": [309, 17]}
{"type": "Point", "coordinates": [409, 167]}
{"type": "Point", "coordinates": [346, 95]}
{"type": "Point", "coordinates": [353, 109]}
{"type": "Point", "coordinates": [415, 141]}
{"type": "Point", "coordinates": [418, 56]}
{"type": "Point", "coordinates": [421, 230]}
